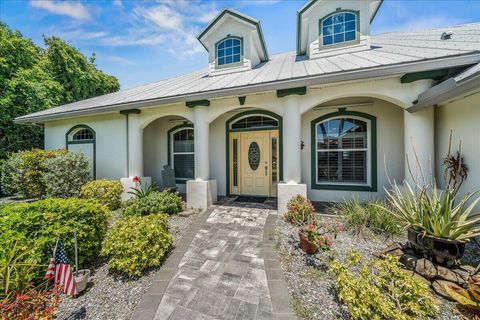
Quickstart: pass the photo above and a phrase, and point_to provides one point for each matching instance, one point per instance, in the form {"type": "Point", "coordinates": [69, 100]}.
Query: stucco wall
{"type": "Point", "coordinates": [110, 141]}
{"type": "Point", "coordinates": [463, 116]}
{"type": "Point", "coordinates": [390, 147]}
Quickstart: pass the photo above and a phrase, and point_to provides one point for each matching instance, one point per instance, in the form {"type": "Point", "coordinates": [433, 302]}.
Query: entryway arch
{"type": "Point", "coordinates": [254, 153]}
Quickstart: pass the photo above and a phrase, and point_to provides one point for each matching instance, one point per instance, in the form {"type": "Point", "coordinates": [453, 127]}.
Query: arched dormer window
{"type": "Point", "coordinates": [339, 28]}
{"type": "Point", "coordinates": [229, 52]}
{"type": "Point", "coordinates": [81, 138]}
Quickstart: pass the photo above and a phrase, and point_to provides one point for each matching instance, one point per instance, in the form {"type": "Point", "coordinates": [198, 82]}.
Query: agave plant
{"type": "Point", "coordinates": [143, 191]}
{"type": "Point", "coordinates": [434, 212]}
{"type": "Point", "coordinates": [469, 300]}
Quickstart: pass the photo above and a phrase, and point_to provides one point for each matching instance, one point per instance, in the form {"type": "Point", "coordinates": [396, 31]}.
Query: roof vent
{"type": "Point", "coordinates": [446, 35]}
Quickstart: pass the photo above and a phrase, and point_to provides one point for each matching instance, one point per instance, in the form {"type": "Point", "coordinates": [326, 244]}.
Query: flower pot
{"type": "Point", "coordinates": [82, 279]}
{"type": "Point", "coordinates": [308, 247]}
{"type": "Point", "coordinates": [441, 251]}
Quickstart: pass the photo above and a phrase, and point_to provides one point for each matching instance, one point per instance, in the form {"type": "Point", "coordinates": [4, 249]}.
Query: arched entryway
{"type": "Point", "coordinates": [254, 153]}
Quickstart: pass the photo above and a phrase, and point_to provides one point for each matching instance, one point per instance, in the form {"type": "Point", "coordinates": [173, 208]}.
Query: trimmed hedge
{"type": "Point", "coordinates": [136, 243]}
{"type": "Point", "coordinates": [108, 192]}
{"type": "Point", "coordinates": [157, 202]}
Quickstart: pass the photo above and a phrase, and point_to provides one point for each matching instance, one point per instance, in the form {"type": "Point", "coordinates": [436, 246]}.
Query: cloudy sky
{"type": "Point", "coordinates": [146, 41]}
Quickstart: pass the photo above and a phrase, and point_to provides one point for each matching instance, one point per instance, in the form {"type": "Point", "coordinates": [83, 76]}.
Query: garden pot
{"type": "Point", "coordinates": [82, 279]}
{"type": "Point", "coordinates": [442, 251]}
{"type": "Point", "coordinates": [306, 246]}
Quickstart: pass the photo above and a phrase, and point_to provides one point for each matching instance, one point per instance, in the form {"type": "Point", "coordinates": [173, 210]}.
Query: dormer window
{"type": "Point", "coordinates": [229, 52]}
{"type": "Point", "coordinates": [339, 28]}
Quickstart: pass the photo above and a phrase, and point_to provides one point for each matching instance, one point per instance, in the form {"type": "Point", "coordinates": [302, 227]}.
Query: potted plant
{"type": "Point", "coordinates": [300, 211]}
{"type": "Point", "coordinates": [316, 236]}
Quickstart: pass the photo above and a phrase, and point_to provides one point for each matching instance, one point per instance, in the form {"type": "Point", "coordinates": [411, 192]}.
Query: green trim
{"type": "Point", "coordinates": [130, 111]}
{"type": "Point", "coordinates": [232, 64]}
{"type": "Point", "coordinates": [241, 100]}
{"type": "Point", "coordinates": [373, 153]}
{"type": "Point", "coordinates": [92, 141]}
{"type": "Point", "coordinates": [280, 139]}
{"type": "Point", "coordinates": [291, 91]}
{"type": "Point", "coordinates": [340, 44]}
{"type": "Point", "coordinates": [376, 11]}
{"type": "Point", "coordinates": [193, 104]}
{"type": "Point", "coordinates": [430, 74]}
{"type": "Point", "coordinates": [256, 23]}
{"type": "Point", "coordinates": [169, 149]}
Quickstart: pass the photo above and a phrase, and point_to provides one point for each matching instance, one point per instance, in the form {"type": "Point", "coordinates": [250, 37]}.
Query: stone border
{"type": "Point", "coordinates": [281, 301]}
{"type": "Point", "coordinates": [148, 305]}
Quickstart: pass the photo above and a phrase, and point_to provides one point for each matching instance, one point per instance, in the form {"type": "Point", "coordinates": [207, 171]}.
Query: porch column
{"type": "Point", "coordinates": [292, 139]}
{"type": "Point", "coordinates": [201, 192]}
{"type": "Point", "coordinates": [419, 139]}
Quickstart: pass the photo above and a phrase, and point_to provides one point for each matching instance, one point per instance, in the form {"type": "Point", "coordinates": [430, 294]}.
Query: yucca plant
{"type": "Point", "coordinates": [469, 300]}
{"type": "Point", "coordinates": [143, 191]}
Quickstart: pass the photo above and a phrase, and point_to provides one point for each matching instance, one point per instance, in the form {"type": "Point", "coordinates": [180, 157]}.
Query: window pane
{"type": "Point", "coordinates": [327, 31]}
{"type": "Point", "coordinates": [328, 21]}
{"type": "Point", "coordinates": [183, 164]}
{"type": "Point", "coordinates": [338, 28]}
{"type": "Point", "coordinates": [349, 16]}
{"type": "Point", "coordinates": [183, 141]}
{"type": "Point", "coordinates": [236, 42]}
{"type": "Point", "coordinates": [327, 40]}
{"type": "Point", "coordinates": [229, 51]}
{"type": "Point", "coordinates": [221, 61]}
{"type": "Point", "coordinates": [228, 42]}
{"type": "Point", "coordinates": [345, 166]}
{"type": "Point", "coordinates": [350, 26]}
{"type": "Point", "coordinates": [350, 36]}
{"type": "Point", "coordinates": [221, 53]}
{"type": "Point", "coordinates": [236, 58]}
{"type": "Point", "coordinates": [255, 122]}
{"type": "Point", "coordinates": [338, 18]}
{"type": "Point", "coordinates": [228, 59]}
{"type": "Point", "coordinates": [221, 45]}
{"type": "Point", "coordinates": [339, 38]}
{"type": "Point", "coordinates": [236, 49]}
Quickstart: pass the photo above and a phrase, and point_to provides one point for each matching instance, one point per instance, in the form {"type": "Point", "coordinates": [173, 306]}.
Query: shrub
{"type": "Point", "coordinates": [382, 290]}
{"type": "Point", "coordinates": [31, 304]}
{"type": "Point", "coordinates": [156, 202]}
{"type": "Point", "coordinates": [37, 225]}
{"type": "Point", "coordinates": [135, 243]}
{"type": "Point", "coordinates": [300, 211]}
{"type": "Point", "coordinates": [108, 192]}
{"type": "Point", "coordinates": [65, 174]}
{"type": "Point", "coordinates": [23, 171]}
{"type": "Point", "coordinates": [367, 216]}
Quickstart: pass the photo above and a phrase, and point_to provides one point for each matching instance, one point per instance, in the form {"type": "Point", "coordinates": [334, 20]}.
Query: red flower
{"type": "Point", "coordinates": [21, 297]}
{"type": "Point", "coordinates": [328, 240]}
{"type": "Point", "coordinates": [311, 226]}
{"type": "Point", "coordinates": [136, 179]}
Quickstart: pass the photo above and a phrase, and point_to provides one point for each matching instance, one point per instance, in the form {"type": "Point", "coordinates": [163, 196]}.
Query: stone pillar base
{"type": "Point", "coordinates": [128, 185]}
{"type": "Point", "coordinates": [287, 191]}
{"type": "Point", "coordinates": [201, 194]}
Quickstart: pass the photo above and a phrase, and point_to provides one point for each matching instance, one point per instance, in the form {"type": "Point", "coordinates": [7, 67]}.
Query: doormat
{"type": "Point", "coordinates": [250, 199]}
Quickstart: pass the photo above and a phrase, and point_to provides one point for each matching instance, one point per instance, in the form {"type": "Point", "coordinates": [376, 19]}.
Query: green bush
{"type": "Point", "coordinates": [65, 174]}
{"type": "Point", "coordinates": [300, 211]}
{"type": "Point", "coordinates": [135, 243]}
{"type": "Point", "coordinates": [108, 192]}
{"type": "Point", "coordinates": [360, 217]}
{"type": "Point", "coordinates": [37, 225]}
{"type": "Point", "coordinates": [382, 290]}
{"type": "Point", "coordinates": [23, 172]}
{"type": "Point", "coordinates": [156, 202]}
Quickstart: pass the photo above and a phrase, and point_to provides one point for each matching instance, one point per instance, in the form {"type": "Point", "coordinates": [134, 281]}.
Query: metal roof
{"type": "Point", "coordinates": [390, 53]}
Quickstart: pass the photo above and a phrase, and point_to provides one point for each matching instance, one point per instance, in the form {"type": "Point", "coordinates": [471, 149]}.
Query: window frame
{"type": "Point", "coordinates": [344, 43]}
{"type": "Point", "coordinates": [69, 140]}
{"type": "Point", "coordinates": [171, 153]}
{"type": "Point", "coordinates": [371, 184]}
{"type": "Point", "coordinates": [258, 114]}
{"type": "Point", "coordinates": [232, 64]}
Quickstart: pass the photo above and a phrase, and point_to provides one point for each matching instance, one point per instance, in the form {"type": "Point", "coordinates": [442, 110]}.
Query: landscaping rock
{"type": "Point", "coordinates": [468, 268]}
{"type": "Point", "coordinates": [426, 268]}
{"type": "Point", "coordinates": [439, 288]}
{"type": "Point", "coordinates": [465, 275]}
{"type": "Point", "coordinates": [447, 274]}
{"type": "Point", "coordinates": [417, 276]}
{"type": "Point", "coordinates": [394, 250]}
{"type": "Point", "coordinates": [409, 261]}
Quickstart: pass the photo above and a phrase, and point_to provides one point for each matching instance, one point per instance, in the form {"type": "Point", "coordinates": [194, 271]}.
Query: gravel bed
{"type": "Point", "coordinates": [113, 297]}
{"type": "Point", "coordinates": [311, 287]}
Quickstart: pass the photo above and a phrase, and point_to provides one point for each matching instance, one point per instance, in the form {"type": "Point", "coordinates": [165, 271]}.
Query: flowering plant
{"type": "Point", "coordinates": [321, 234]}
{"type": "Point", "coordinates": [136, 179]}
{"type": "Point", "coordinates": [300, 211]}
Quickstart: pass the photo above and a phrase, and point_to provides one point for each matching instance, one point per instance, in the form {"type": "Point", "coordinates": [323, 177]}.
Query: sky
{"type": "Point", "coordinates": [146, 41]}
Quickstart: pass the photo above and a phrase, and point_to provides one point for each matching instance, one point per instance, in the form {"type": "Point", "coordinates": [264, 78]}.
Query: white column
{"type": "Point", "coordinates": [201, 129]}
{"type": "Point", "coordinates": [135, 149]}
{"type": "Point", "coordinates": [291, 140]}
{"type": "Point", "coordinates": [419, 145]}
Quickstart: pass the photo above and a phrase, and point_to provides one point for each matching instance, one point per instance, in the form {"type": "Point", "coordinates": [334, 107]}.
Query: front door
{"type": "Point", "coordinates": [253, 163]}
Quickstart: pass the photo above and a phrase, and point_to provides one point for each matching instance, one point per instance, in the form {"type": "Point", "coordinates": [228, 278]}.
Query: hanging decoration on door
{"type": "Point", "coordinates": [254, 155]}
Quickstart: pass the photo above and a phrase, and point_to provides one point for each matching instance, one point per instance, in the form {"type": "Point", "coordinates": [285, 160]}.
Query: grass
{"type": "Point", "coordinates": [360, 217]}
{"type": "Point", "coordinates": [300, 310]}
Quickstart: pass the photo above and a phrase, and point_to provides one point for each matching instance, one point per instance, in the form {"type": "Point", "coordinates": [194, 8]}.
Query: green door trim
{"type": "Point", "coordinates": [92, 141]}
{"type": "Point", "coordinates": [169, 149]}
{"type": "Point", "coordinates": [253, 112]}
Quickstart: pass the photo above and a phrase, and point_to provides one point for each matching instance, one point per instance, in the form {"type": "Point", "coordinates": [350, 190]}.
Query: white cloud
{"type": "Point", "coordinates": [74, 10]}
{"type": "Point", "coordinates": [419, 23]}
{"type": "Point", "coordinates": [117, 3]}
{"type": "Point", "coordinates": [163, 16]}
{"type": "Point", "coordinates": [117, 59]}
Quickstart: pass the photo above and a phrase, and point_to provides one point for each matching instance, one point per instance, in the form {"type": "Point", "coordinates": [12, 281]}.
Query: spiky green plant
{"type": "Point", "coordinates": [143, 191]}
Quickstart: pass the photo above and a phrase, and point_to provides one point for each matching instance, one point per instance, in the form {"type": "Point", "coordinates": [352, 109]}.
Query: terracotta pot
{"type": "Point", "coordinates": [441, 251]}
{"type": "Point", "coordinates": [82, 279]}
{"type": "Point", "coordinates": [306, 246]}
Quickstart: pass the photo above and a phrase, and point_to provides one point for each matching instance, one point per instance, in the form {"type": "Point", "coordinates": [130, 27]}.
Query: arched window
{"type": "Point", "coordinates": [344, 151]}
{"type": "Point", "coordinates": [254, 122]}
{"type": "Point", "coordinates": [182, 156]}
{"type": "Point", "coordinates": [81, 138]}
{"type": "Point", "coordinates": [229, 51]}
{"type": "Point", "coordinates": [339, 28]}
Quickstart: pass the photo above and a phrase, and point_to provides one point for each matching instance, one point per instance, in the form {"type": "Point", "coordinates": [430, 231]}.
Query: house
{"type": "Point", "coordinates": [326, 121]}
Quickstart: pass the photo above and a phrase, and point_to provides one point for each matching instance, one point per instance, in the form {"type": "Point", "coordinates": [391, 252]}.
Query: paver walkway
{"type": "Point", "coordinates": [226, 270]}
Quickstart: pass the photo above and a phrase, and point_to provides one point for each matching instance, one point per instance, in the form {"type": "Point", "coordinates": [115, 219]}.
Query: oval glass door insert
{"type": "Point", "coordinates": [254, 155]}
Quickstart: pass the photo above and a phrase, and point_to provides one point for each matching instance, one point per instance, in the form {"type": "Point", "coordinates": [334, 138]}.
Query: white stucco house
{"type": "Point", "coordinates": [323, 121]}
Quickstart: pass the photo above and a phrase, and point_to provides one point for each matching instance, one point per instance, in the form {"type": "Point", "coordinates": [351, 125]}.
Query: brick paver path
{"type": "Point", "coordinates": [221, 273]}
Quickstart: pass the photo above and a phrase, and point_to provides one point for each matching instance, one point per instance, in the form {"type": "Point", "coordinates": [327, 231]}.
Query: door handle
{"type": "Point", "coordinates": [266, 170]}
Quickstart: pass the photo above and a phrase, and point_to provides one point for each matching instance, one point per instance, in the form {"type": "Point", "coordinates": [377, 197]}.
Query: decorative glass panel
{"type": "Point", "coordinates": [254, 155]}
{"type": "Point", "coordinates": [83, 134]}
{"type": "Point", "coordinates": [274, 161]}
{"type": "Point", "coordinates": [338, 28]}
{"type": "Point", "coordinates": [235, 162]}
{"type": "Point", "coordinates": [255, 122]}
{"type": "Point", "coordinates": [229, 51]}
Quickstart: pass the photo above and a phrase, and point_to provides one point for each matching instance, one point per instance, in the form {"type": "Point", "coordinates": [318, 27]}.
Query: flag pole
{"type": "Point", "coordinates": [54, 252]}
{"type": "Point", "coordinates": [76, 254]}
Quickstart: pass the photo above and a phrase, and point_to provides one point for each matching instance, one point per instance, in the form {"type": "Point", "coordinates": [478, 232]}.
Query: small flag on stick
{"type": "Point", "coordinates": [59, 268]}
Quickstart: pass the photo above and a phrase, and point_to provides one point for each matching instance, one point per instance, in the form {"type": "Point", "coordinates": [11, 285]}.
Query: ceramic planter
{"type": "Point", "coordinates": [441, 251]}
{"type": "Point", "coordinates": [306, 245]}
{"type": "Point", "coordinates": [82, 279]}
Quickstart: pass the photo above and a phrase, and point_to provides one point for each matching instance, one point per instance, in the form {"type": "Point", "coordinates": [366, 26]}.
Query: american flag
{"type": "Point", "coordinates": [60, 269]}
